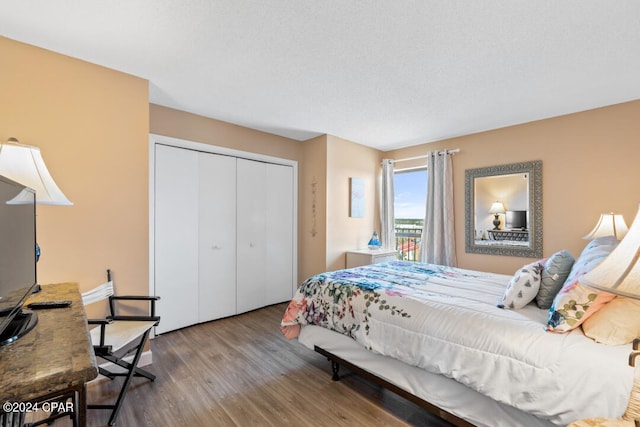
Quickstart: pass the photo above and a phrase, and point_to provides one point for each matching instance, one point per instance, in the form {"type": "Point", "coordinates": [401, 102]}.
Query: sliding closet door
{"type": "Point", "coordinates": [279, 281]}
{"type": "Point", "coordinates": [251, 234]}
{"type": "Point", "coordinates": [217, 236]}
{"type": "Point", "coordinates": [176, 236]}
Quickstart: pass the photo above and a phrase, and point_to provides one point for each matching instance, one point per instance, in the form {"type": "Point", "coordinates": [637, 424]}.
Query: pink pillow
{"type": "Point", "coordinates": [575, 302]}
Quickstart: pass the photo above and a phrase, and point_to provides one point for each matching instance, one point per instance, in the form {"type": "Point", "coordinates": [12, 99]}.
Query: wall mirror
{"type": "Point", "coordinates": [503, 210]}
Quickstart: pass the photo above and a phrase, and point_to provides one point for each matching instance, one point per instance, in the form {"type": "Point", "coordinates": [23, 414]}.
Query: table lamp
{"type": "Point", "coordinates": [25, 165]}
{"type": "Point", "coordinates": [619, 274]}
{"type": "Point", "coordinates": [609, 225]}
{"type": "Point", "coordinates": [497, 208]}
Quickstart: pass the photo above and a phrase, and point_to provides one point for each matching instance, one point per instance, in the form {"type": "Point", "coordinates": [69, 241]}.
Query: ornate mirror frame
{"type": "Point", "coordinates": [534, 171]}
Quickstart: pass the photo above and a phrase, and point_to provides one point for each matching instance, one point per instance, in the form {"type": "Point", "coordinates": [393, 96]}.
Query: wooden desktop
{"type": "Point", "coordinates": [55, 358]}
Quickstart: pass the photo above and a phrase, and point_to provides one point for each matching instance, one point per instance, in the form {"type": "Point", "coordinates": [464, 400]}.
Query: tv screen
{"type": "Point", "coordinates": [516, 220]}
{"type": "Point", "coordinates": [17, 259]}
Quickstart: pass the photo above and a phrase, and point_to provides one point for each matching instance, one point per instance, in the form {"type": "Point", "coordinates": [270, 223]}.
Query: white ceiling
{"type": "Point", "coordinates": [383, 73]}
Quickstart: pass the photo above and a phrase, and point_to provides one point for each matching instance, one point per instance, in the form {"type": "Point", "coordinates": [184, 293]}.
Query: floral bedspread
{"type": "Point", "coordinates": [345, 300]}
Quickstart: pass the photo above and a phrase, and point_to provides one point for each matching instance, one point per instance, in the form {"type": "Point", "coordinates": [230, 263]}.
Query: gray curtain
{"type": "Point", "coordinates": [387, 226]}
{"type": "Point", "coordinates": [438, 237]}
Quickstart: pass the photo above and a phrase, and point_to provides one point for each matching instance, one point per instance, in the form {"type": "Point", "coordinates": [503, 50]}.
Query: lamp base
{"type": "Point", "coordinates": [496, 222]}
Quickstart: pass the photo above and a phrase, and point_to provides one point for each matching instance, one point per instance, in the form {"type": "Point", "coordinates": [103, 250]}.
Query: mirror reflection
{"type": "Point", "coordinates": [504, 209]}
{"type": "Point", "coordinates": [501, 210]}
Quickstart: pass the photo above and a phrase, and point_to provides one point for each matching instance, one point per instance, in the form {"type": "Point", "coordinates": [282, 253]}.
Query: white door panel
{"type": "Point", "coordinates": [176, 238]}
{"type": "Point", "coordinates": [279, 218]}
{"type": "Point", "coordinates": [217, 236]}
{"type": "Point", "coordinates": [251, 234]}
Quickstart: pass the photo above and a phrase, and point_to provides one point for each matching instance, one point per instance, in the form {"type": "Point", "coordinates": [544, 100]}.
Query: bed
{"type": "Point", "coordinates": [436, 334]}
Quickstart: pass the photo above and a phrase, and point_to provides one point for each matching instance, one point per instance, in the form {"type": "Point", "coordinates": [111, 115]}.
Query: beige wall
{"type": "Point", "coordinates": [312, 208]}
{"type": "Point", "coordinates": [91, 125]}
{"type": "Point", "coordinates": [346, 160]}
{"type": "Point", "coordinates": [589, 166]}
{"type": "Point", "coordinates": [192, 127]}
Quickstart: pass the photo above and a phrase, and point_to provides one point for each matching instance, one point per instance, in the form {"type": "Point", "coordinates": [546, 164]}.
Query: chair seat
{"type": "Point", "coordinates": [120, 332]}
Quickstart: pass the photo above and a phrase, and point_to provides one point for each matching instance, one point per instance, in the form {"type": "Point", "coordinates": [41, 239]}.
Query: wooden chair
{"type": "Point", "coordinates": [117, 336]}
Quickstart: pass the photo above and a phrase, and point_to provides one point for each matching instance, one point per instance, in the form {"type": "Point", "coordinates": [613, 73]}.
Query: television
{"type": "Point", "coordinates": [516, 220]}
{"type": "Point", "coordinates": [17, 259]}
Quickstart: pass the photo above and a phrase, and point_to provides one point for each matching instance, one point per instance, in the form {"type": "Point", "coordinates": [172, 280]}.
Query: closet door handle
{"type": "Point", "coordinates": [216, 247]}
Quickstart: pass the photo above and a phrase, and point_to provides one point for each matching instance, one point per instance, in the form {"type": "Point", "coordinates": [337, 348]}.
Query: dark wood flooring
{"type": "Point", "coordinates": [241, 371]}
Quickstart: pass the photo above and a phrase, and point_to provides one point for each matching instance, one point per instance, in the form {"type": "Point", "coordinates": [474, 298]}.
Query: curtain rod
{"type": "Point", "coordinates": [457, 150]}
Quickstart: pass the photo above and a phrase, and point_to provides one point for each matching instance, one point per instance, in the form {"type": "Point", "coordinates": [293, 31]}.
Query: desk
{"type": "Point", "coordinates": [55, 358]}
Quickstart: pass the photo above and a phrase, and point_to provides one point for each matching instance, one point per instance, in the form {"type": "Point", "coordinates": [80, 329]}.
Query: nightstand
{"type": "Point", "coordinates": [360, 257]}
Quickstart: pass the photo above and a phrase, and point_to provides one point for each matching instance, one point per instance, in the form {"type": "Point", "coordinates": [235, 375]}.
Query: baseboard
{"type": "Point", "coordinates": [146, 358]}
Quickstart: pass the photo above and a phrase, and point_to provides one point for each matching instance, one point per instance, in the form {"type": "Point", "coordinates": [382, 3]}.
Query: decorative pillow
{"type": "Point", "coordinates": [617, 323]}
{"type": "Point", "coordinates": [523, 287]}
{"type": "Point", "coordinates": [576, 302]}
{"type": "Point", "coordinates": [555, 272]}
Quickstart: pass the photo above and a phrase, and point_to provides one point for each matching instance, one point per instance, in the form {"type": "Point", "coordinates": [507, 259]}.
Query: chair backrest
{"type": "Point", "coordinates": [98, 293]}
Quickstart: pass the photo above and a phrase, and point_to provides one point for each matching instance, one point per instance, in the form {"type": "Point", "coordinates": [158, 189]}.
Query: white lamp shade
{"type": "Point", "coordinates": [497, 208]}
{"type": "Point", "coordinates": [619, 273]}
{"type": "Point", "coordinates": [24, 164]}
{"type": "Point", "coordinates": [609, 225]}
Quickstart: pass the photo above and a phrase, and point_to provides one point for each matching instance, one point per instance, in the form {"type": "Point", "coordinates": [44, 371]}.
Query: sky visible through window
{"type": "Point", "coordinates": [410, 189]}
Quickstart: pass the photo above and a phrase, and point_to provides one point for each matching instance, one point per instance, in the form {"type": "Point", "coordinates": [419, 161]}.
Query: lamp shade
{"type": "Point", "coordinates": [609, 225]}
{"type": "Point", "coordinates": [619, 273]}
{"type": "Point", "coordinates": [497, 208]}
{"type": "Point", "coordinates": [24, 164]}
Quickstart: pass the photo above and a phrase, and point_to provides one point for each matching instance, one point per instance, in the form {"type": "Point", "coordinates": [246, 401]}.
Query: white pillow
{"type": "Point", "coordinates": [523, 287]}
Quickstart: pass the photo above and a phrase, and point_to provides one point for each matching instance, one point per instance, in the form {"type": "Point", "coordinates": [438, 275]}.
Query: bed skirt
{"type": "Point", "coordinates": [443, 393]}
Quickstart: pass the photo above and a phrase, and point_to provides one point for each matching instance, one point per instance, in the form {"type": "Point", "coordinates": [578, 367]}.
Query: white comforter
{"type": "Point", "coordinates": [445, 320]}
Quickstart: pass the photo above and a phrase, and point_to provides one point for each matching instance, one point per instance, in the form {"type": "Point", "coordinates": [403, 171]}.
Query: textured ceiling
{"type": "Point", "coordinates": [383, 73]}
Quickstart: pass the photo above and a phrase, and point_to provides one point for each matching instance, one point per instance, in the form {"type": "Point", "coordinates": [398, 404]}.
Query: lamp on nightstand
{"type": "Point", "coordinates": [496, 209]}
{"type": "Point", "coordinates": [619, 274]}
{"type": "Point", "coordinates": [609, 225]}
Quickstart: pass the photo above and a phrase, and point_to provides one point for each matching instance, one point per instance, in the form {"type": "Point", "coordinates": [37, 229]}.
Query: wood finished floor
{"type": "Point", "coordinates": [240, 371]}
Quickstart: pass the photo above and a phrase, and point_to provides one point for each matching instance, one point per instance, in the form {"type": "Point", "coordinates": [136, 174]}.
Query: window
{"type": "Point", "coordinates": [410, 198]}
